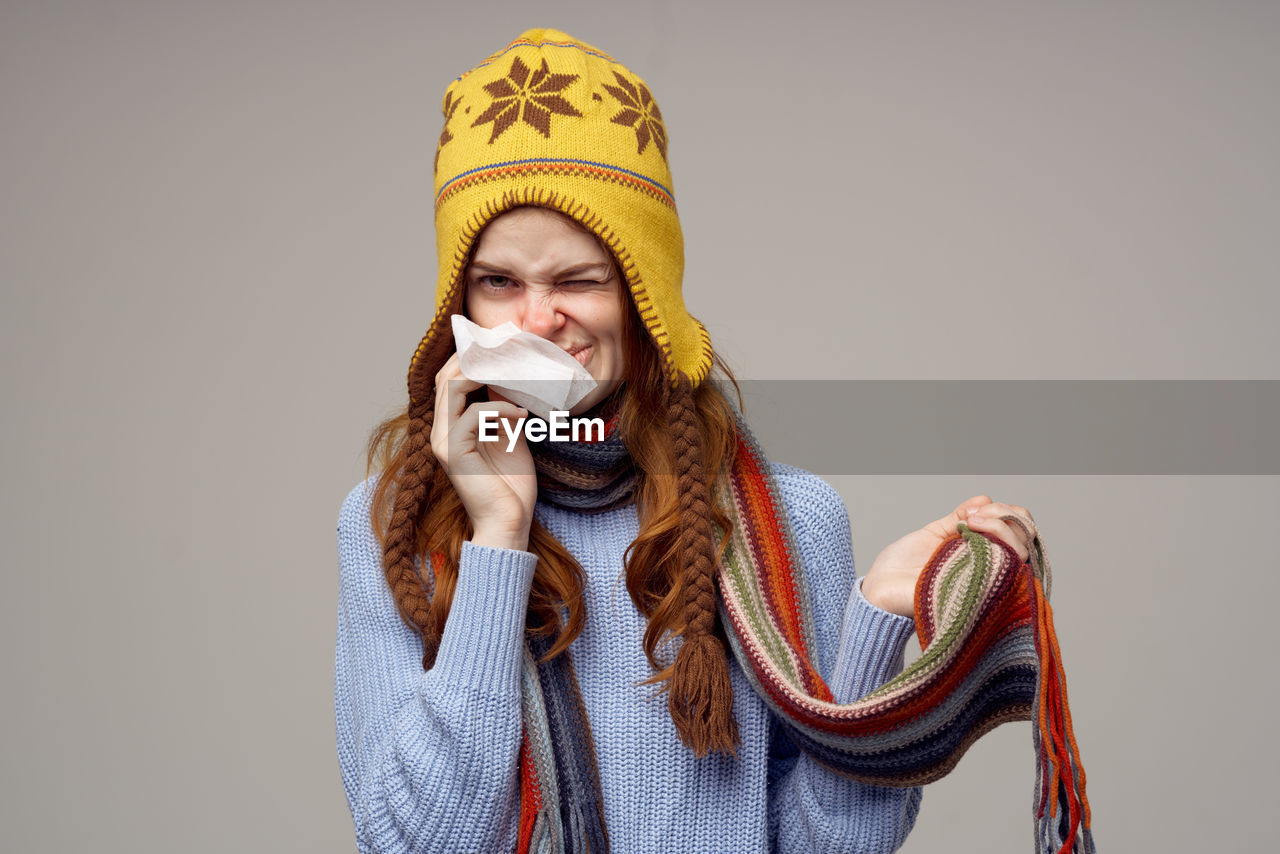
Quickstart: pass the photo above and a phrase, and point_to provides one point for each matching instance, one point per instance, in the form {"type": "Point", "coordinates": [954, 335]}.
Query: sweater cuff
{"type": "Point", "coordinates": [483, 641]}
{"type": "Point", "coordinates": [872, 643]}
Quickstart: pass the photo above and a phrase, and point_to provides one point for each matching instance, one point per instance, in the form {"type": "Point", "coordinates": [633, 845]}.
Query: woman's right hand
{"type": "Point", "coordinates": [498, 487]}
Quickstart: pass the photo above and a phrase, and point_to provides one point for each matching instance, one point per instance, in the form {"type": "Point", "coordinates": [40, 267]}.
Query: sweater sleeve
{"type": "Point", "coordinates": [859, 648]}
{"type": "Point", "coordinates": [429, 759]}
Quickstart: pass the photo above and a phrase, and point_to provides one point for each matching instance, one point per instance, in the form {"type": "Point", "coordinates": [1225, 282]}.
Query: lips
{"type": "Point", "coordinates": [581, 354]}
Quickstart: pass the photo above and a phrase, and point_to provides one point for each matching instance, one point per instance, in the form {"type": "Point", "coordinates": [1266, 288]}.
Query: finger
{"type": "Point", "coordinates": [1001, 510]}
{"type": "Point", "coordinates": [962, 511]}
{"type": "Point", "coordinates": [1009, 509]}
{"type": "Point", "coordinates": [494, 395]}
{"type": "Point", "coordinates": [452, 389]}
{"type": "Point", "coordinates": [946, 526]}
{"type": "Point", "coordinates": [468, 422]}
{"type": "Point", "coordinates": [1002, 531]}
{"type": "Point", "coordinates": [1022, 511]}
{"type": "Point", "coordinates": [974, 503]}
{"type": "Point", "coordinates": [1016, 519]}
{"type": "Point", "coordinates": [464, 436]}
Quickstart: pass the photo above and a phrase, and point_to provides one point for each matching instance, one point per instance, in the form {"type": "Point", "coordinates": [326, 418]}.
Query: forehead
{"type": "Point", "coordinates": [538, 241]}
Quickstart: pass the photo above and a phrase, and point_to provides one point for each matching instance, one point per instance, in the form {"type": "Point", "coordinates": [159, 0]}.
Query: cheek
{"type": "Point", "coordinates": [486, 313]}
{"type": "Point", "coordinates": [598, 317]}
{"type": "Point", "coordinates": [612, 328]}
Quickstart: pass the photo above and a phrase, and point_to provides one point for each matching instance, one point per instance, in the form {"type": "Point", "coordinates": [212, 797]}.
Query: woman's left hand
{"type": "Point", "coordinates": [890, 584]}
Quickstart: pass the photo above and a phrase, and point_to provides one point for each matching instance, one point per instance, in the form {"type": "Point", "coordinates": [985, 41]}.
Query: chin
{"type": "Point", "coordinates": [584, 406]}
{"type": "Point", "coordinates": [595, 398]}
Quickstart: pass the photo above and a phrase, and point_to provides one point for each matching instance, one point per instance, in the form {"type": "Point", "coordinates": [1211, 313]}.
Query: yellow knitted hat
{"type": "Point", "coordinates": [554, 122]}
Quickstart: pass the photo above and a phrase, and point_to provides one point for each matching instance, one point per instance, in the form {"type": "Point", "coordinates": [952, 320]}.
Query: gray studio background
{"type": "Point", "coordinates": [217, 256]}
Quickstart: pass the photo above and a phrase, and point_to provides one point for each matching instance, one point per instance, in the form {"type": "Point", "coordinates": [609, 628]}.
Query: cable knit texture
{"type": "Point", "coordinates": [429, 759]}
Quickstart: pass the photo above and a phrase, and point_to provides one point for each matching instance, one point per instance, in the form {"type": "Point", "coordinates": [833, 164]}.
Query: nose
{"type": "Point", "coordinates": [539, 315]}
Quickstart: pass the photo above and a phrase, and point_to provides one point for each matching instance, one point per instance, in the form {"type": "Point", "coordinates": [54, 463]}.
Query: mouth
{"type": "Point", "coordinates": [581, 354]}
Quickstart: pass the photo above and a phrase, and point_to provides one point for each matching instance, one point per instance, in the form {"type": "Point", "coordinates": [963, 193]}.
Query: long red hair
{"type": "Point", "coordinates": [683, 439]}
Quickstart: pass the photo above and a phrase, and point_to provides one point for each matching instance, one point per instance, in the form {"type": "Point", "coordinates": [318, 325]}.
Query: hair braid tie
{"type": "Point", "coordinates": [701, 695]}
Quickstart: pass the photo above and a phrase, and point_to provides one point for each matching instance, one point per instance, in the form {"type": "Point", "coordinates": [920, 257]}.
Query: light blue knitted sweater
{"type": "Point", "coordinates": [429, 759]}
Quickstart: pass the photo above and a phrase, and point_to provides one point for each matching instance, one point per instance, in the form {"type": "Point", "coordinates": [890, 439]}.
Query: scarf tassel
{"type": "Point", "coordinates": [530, 796]}
{"type": "Point", "coordinates": [1063, 818]}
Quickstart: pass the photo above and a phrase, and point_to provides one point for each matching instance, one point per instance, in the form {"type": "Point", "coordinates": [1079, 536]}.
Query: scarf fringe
{"type": "Point", "coordinates": [1062, 821]}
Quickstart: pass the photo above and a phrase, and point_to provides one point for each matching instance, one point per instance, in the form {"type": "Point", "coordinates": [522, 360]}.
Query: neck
{"type": "Point", "coordinates": [588, 476]}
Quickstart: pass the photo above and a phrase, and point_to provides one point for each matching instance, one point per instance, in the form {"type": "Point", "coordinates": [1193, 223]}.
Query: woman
{"type": "Point", "coordinates": [556, 678]}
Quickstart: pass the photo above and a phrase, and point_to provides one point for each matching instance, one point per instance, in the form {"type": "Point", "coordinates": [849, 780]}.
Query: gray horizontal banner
{"type": "Point", "coordinates": [1076, 427]}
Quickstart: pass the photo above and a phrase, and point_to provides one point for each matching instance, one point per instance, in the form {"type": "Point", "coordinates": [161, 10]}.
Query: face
{"type": "Point", "coordinates": [544, 273]}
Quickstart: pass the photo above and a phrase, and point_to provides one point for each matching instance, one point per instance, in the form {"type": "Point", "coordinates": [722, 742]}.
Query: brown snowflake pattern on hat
{"type": "Point", "coordinates": [450, 107]}
{"type": "Point", "coordinates": [528, 97]}
{"type": "Point", "coordinates": [640, 111]}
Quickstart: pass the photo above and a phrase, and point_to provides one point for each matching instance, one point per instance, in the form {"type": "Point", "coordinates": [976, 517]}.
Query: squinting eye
{"type": "Point", "coordinates": [496, 282]}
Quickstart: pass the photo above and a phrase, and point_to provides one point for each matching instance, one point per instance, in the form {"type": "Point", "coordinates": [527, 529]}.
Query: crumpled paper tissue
{"type": "Point", "coordinates": [527, 370]}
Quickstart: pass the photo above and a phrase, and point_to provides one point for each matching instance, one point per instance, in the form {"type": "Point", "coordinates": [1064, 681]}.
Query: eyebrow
{"type": "Point", "coordinates": [599, 268]}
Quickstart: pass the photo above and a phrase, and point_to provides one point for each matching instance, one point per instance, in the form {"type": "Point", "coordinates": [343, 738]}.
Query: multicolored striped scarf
{"type": "Point", "coordinates": [990, 655]}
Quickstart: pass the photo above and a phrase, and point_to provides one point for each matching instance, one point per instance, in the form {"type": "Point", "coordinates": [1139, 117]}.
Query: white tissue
{"type": "Point", "coordinates": [525, 369]}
